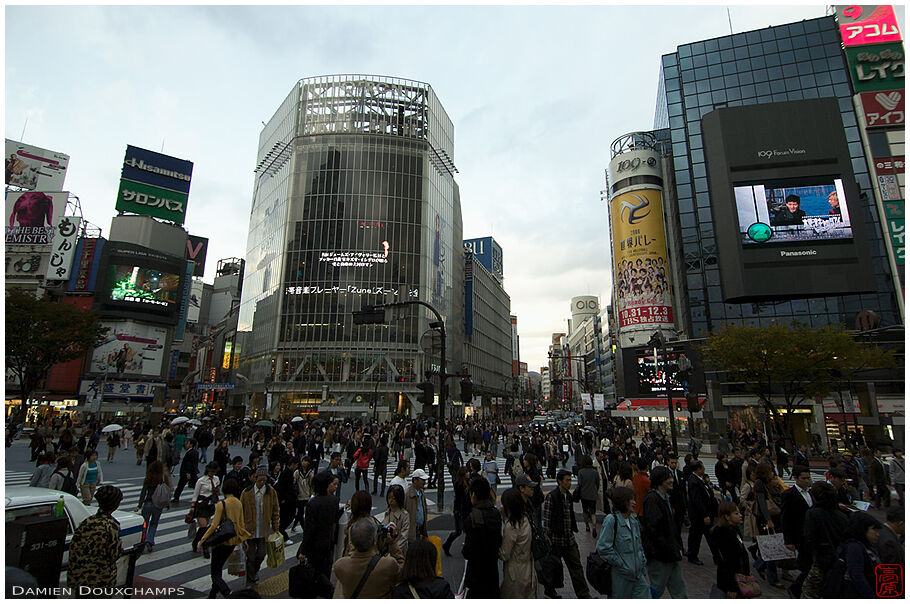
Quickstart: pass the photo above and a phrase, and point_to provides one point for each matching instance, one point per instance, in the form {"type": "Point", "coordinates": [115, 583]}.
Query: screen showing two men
{"type": "Point", "coordinates": [798, 211]}
{"type": "Point", "coordinates": [143, 286]}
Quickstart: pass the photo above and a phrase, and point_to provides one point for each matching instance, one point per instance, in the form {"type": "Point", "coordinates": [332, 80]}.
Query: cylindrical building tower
{"type": "Point", "coordinates": [642, 284]}
{"type": "Point", "coordinates": [354, 204]}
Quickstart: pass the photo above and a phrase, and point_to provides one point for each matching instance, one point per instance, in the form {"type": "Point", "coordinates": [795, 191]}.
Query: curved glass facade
{"type": "Point", "coordinates": [354, 205]}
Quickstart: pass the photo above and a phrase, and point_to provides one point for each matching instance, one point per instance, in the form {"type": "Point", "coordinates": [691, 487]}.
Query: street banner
{"type": "Point", "coordinates": [34, 168]}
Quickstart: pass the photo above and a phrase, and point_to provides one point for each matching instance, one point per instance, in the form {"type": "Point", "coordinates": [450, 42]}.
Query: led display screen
{"type": "Point", "coordinates": [801, 211]}
{"type": "Point", "coordinates": [143, 287]}
{"type": "Point", "coordinates": [651, 375]}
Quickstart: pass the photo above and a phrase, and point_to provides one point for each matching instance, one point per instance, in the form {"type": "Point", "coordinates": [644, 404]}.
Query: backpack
{"type": "Point", "coordinates": [69, 483]}
{"type": "Point", "coordinates": [161, 497]}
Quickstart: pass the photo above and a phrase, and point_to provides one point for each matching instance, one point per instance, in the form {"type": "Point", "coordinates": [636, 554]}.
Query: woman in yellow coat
{"type": "Point", "coordinates": [232, 507]}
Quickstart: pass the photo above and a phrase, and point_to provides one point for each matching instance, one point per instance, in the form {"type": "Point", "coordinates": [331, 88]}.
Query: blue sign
{"type": "Point", "coordinates": [157, 170]}
{"type": "Point", "coordinates": [468, 293]}
{"type": "Point", "coordinates": [488, 254]}
{"type": "Point", "coordinates": [175, 356]}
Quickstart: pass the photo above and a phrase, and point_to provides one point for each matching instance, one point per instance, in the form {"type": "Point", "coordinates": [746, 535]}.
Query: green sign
{"type": "Point", "coordinates": [145, 199]}
{"type": "Point", "coordinates": [876, 66]}
{"type": "Point", "coordinates": [894, 213]}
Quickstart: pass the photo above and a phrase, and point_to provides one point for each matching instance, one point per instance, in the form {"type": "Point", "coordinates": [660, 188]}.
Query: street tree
{"type": "Point", "coordinates": [41, 333]}
{"type": "Point", "coordinates": [786, 367]}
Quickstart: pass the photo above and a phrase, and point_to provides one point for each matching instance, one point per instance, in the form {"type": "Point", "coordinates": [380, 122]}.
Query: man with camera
{"type": "Point", "coordinates": [366, 573]}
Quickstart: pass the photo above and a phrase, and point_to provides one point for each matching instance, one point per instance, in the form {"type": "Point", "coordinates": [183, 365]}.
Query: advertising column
{"type": "Point", "coordinates": [641, 275]}
{"type": "Point", "coordinates": [875, 60]}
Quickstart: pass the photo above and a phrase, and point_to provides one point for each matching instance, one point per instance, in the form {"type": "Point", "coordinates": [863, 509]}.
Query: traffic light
{"type": "Point", "coordinates": [369, 316]}
{"type": "Point", "coordinates": [426, 395]}
{"type": "Point", "coordinates": [692, 403]}
{"type": "Point", "coordinates": [467, 391]}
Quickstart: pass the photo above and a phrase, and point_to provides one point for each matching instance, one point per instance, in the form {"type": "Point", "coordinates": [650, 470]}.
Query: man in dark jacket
{"type": "Point", "coordinates": [795, 502]}
{"type": "Point", "coordinates": [660, 535]}
{"type": "Point", "coordinates": [890, 545]}
{"type": "Point", "coordinates": [286, 488]}
{"type": "Point", "coordinates": [205, 439]}
{"type": "Point", "coordinates": [823, 531]}
{"type": "Point", "coordinates": [702, 511]}
{"type": "Point", "coordinates": [189, 469]}
{"type": "Point", "coordinates": [380, 461]}
{"type": "Point", "coordinates": [320, 525]}
{"type": "Point", "coordinates": [678, 497]}
{"type": "Point", "coordinates": [483, 536]}
{"type": "Point", "coordinates": [559, 526]}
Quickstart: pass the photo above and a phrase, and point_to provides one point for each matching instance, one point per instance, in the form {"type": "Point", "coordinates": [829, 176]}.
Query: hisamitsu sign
{"type": "Point", "coordinates": [215, 385]}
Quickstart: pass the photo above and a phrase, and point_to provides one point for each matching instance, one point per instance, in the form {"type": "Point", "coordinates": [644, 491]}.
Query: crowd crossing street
{"type": "Point", "coordinates": [172, 563]}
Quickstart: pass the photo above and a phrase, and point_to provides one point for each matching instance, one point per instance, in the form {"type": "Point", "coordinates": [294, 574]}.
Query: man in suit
{"type": "Point", "coordinates": [890, 545]}
{"type": "Point", "coordinates": [678, 495]}
{"type": "Point", "coordinates": [702, 511]}
{"type": "Point", "coordinates": [795, 502]}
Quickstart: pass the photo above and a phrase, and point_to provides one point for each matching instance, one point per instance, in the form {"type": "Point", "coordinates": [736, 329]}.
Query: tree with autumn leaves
{"type": "Point", "coordinates": [787, 366]}
{"type": "Point", "coordinates": [41, 333]}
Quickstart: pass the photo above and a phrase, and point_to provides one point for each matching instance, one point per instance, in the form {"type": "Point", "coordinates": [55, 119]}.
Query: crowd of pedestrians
{"type": "Point", "coordinates": [635, 496]}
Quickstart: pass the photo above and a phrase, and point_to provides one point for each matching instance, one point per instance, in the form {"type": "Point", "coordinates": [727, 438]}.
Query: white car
{"type": "Point", "coordinates": [35, 502]}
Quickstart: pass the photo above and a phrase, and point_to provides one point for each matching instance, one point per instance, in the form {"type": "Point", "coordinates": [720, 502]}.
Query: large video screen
{"type": "Point", "coordinates": [797, 211]}
{"type": "Point", "coordinates": [143, 287]}
{"type": "Point", "coordinates": [651, 375]}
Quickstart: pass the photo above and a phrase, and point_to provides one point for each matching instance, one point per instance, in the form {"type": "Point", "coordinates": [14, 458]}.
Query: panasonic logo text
{"type": "Point", "coordinates": [799, 253]}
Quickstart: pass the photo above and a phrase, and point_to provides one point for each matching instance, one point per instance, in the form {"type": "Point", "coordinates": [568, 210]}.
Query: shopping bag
{"type": "Point", "coordinates": [237, 563]}
{"type": "Point", "coordinates": [191, 531]}
{"type": "Point", "coordinates": [275, 550]}
{"type": "Point", "coordinates": [462, 592]}
{"type": "Point", "coordinates": [772, 547]}
{"type": "Point", "coordinates": [437, 543]}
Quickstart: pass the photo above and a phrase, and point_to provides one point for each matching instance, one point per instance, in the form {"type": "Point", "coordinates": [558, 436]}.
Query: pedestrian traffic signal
{"type": "Point", "coordinates": [426, 395]}
{"type": "Point", "coordinates": [467, 391]}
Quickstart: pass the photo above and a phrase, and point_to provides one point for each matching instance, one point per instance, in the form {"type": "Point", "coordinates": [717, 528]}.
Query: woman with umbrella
{"type": "Point", "coordinates": [113, 443]}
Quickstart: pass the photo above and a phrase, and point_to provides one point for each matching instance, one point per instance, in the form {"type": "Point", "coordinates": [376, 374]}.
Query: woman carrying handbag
{"type": "Point", "coordinates": [733, 575]}
{"type": "Point", "coordinates": [205, 496]}
{"type": "Point", "coordinates": [767, 500]}
{"type": "Point", "coordinates": [225, 533]}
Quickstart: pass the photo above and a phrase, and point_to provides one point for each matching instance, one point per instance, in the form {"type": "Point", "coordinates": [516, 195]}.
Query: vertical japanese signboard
{"type": "Point", "coordinates": [64, 248]}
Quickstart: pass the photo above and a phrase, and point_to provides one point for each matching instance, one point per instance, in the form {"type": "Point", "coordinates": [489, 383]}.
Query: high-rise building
{"type": "Point", "coordinates": [489, 336]}
{"type": "Point", "coordinates": [354, 205]}
{"type": "Point", "coordinates": [747, 126]}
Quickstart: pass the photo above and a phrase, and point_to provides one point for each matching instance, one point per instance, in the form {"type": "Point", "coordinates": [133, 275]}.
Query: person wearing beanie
{"type": "Point", "coordinates": [96, 544]}
{"type": "Point", "coordinates": [261, 518]}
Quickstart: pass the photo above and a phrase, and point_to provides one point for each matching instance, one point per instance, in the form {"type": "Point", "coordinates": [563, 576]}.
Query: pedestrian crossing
{"type": "Point", "coordinates": [172, 560]}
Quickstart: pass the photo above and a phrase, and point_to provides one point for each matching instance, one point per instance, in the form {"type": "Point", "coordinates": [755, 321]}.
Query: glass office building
{"type": "Point", "coordinates": [354, 204]}
{"type": "Point", "coordinates": [784, 63]}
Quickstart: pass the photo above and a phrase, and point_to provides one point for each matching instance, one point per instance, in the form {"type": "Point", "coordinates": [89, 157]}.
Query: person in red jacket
{"type": "Point", "coordinates": [641, 484]}
{"type": "Point", "coordinates": [362, 457]}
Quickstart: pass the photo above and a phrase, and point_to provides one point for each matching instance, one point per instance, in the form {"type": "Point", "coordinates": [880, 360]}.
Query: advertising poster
{"type": "Point", "coordinates": [195, 299]}
{"type": "Point", "coordinates": [641, 273]}
{"type": "Point", "coordinates": [34, 168]}
{"type": "Point", "coordinates": [884, 108]}
{"type": "Point", "coordinates": [130, 348]}
{"type": "Point", "coordinates": [869, 24]}
{"type": "Point", "coordinates": [196, 250]}
{"type": "Point", "coordinates": [876, 66]}
{"type": "Point", "coordinates": [149, 200]}
{"type": "Point", "coordinates": [31, 216]}
{"type": "Point", "coordinates": [599, 402]}
{"type": "Point", "coordinates": [64, 248]}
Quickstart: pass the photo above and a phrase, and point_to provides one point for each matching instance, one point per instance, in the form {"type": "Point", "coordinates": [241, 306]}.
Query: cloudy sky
{"type": "Point", "coordinates": [536, 93]}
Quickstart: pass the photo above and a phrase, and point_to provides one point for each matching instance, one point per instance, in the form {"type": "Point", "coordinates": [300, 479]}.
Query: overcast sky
{"type": "Point", "coordinates": [536, 94]}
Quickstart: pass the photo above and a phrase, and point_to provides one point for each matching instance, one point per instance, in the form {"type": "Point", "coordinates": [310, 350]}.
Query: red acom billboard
{"type": "Point", "coordinates": [863, 24]}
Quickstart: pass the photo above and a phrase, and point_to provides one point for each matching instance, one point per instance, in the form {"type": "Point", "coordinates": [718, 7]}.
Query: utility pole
{"type": "Point", "coordinates": [377, 314]}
